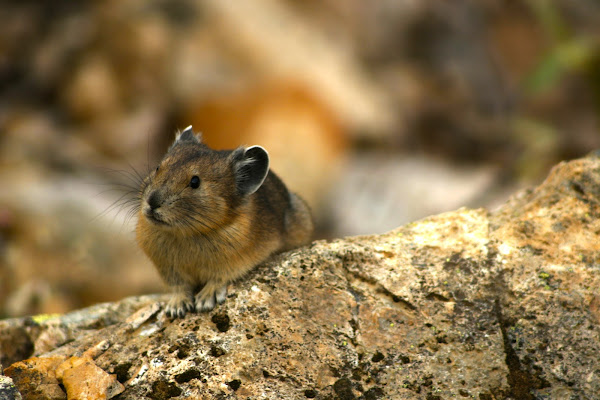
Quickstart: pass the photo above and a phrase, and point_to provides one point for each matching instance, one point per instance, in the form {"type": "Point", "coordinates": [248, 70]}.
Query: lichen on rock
{"type": "Point", "coordinates": [471, 303]}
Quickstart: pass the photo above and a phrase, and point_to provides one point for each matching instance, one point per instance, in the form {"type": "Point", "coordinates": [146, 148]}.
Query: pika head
{"type": "Point", "coordinates": [195, 189]}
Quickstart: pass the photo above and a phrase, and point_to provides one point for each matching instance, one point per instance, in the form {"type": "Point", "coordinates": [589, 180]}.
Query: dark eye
{"type": "Point", "coordinates": [195, 182]}
{"type": "Point", "coordinates": [157, 168]}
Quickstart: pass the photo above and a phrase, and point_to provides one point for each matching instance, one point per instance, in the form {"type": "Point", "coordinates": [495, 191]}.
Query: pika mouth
{"type": "Point", "coordinates": [152, 217]}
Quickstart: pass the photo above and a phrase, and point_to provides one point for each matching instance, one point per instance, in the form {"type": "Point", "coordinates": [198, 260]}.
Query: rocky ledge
{"type": "Point", "coordinates": [468, 304]}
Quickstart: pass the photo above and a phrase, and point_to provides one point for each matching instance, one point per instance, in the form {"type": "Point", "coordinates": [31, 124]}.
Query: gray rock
{"type": "Point", "coordinates": [8, 390]}
{"type": "Point", "coordinates": [471, 303]}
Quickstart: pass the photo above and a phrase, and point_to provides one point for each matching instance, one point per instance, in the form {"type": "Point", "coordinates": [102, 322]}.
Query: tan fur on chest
{"type": "Point", "coordinates": [224, 254]}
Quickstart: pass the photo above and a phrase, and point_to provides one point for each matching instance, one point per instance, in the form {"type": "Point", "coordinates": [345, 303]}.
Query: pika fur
{"type": "Point", "coordinates": [207, 217]}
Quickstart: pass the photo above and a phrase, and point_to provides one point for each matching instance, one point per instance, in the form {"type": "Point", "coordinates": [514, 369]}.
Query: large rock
{"type": "Point", "coordinates": [467, 304]}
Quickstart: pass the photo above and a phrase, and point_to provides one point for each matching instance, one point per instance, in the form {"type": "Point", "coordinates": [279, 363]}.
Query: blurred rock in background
{"type": "Point", "coordinates": [379, 113]}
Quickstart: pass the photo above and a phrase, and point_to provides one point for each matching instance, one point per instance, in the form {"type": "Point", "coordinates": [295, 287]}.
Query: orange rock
{"type": "Point", "coordinates": [40, 377]}
{"type": "Point", "coordinates": [83, 379]}
{"type": "Point", "coordinates": [35, 378]}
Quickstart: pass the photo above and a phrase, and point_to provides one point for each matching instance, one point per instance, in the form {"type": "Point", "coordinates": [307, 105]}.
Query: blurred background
{"type": "Point", "coordinates": [378, 113]}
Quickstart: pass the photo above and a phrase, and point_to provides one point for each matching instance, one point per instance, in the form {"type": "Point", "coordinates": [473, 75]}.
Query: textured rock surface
{"type": "Point", "coordinates": [8, 390]}
{"type": "Point", "coordinates": [467, 304]}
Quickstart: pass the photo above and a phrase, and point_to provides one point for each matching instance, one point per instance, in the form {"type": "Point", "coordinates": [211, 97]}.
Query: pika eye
{"type": "Point", "coordinates": [157, 168]}
{"type": "Point", "coordinates": [195, 182]}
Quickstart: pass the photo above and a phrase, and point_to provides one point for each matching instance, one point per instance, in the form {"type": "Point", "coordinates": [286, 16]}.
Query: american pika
{"type": "Point", "coordinates": [207, 217]}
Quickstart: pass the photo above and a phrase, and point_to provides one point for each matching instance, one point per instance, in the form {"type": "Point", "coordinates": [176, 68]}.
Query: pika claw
{"type": "Point", "coordinates": [221, 295]}
{"type": "Point", "coordinates": [179, 305]}
{"type": "Point", "coordinates": [203, 305]}
{"type": "Point", "coordinates": [210, 295]}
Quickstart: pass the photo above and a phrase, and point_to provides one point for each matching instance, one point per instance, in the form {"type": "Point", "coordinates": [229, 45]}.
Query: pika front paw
{"type": "Point", "coordinates": [179, 305]}
{"type": "Point", "coordinates": [210, 296]}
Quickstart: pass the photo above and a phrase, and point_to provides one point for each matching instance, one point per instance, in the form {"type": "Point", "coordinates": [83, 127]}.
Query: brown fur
{"type": "Point", "coordinates": [203, 238]}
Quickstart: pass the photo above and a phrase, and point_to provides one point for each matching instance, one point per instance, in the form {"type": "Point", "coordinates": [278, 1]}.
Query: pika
{"type": "Point", "coordinates": [208, 216]}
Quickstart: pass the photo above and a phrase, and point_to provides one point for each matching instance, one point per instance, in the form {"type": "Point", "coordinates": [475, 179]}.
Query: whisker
{"type": "Point", "coordinates": [129, 184]}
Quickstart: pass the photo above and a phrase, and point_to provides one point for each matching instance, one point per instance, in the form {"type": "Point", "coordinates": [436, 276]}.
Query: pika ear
{"type": "Point", "coordinates": [188, 135]}
{"type": "Point", "coordinates": [251, 167]}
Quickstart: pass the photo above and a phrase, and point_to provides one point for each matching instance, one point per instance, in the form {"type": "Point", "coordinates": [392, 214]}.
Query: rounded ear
{"type": "Point", "coordinates": [251, 168]}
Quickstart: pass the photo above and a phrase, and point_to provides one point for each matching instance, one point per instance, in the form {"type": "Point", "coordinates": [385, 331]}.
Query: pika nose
{"type": "Point", "coordinates": [154, 200]}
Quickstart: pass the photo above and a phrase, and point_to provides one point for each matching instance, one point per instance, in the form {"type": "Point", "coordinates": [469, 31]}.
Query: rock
{"type": "Point", "coordinates": [471, 303]}
{"type": "Point", "coordinates": [428, 186]}
{"type": "Point", "coordinates": [83, 379]}
{"type": "Point", "coordinates": [15, 344]}
{"type": "Point", "coordinates": [8, 390]}
{"type": "Point", "coordinates": [21, 338]}
{"type": "Point", "coordinates": [327, 62]}
{"type": "Point", "coordinates": [36, 379]}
